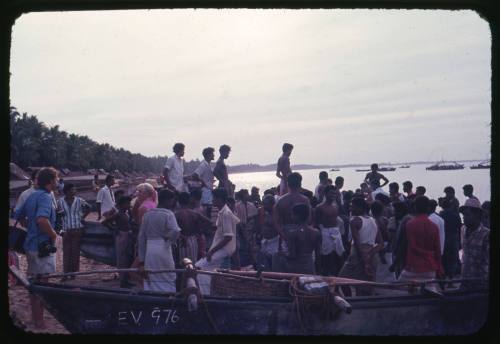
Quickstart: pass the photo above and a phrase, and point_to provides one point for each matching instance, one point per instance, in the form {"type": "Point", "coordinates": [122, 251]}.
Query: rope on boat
{"type": "Point", "coordinates": [303, 300]}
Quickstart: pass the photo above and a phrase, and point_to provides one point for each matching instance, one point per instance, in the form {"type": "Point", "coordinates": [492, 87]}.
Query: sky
{"type": "Point", "coordinates": [343, 86]}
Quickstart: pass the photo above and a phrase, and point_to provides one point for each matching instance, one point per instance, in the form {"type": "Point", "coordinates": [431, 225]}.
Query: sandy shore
{"type": "Point", "coordinates": [19, 304]}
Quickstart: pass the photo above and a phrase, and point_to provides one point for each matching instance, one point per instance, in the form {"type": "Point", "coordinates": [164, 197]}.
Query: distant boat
{"type": "Point", "coordinates": [441, 166]}
{"type": "Point", "coordinates": [363, 170]}
{"type": "Point", "coordinates": [334, 170]}
{"type": "Point", "coordinates": [404, 166]}
{"type": "Point", "coordinates": [483, 164]}
{"type": "Point", "coordinates": [386, 169]}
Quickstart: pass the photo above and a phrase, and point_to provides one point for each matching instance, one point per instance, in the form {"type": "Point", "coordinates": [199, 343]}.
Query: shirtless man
{"type": "Point", "coordinates": [192, 224]}
{"type": "Point", "coordinates": [331, 227]}
{"type": "Point", "coordinates": [283, 208]}
{"type": "Point", "coordinates": [268, 232]}
{"type": "Point", "coordinates": [375, 175]}
{"type": "Point", "coordinates": [302, 242]}
{"type": "Point", "coordinates": [283, 167]}
{"type": "Point", "coordinates": [220, 171]}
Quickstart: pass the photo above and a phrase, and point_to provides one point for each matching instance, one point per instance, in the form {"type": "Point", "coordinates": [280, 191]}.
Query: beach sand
{"type": "Point", "coordinates": [19, 303]}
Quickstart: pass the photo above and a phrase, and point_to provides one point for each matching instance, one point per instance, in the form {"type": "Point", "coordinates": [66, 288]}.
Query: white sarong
{"type": "Point", "coordinates": [270, 246]}
{"type": "Point", "coordinates": [331, 240]}
{"type": "Point", "coordinates": [159, 256]}
{"type": "Point", "coordinates": [216, 262]}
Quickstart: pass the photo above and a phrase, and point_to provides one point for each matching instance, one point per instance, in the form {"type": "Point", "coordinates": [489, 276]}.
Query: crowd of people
{"type": "Point", "coordinates": [366, 234]}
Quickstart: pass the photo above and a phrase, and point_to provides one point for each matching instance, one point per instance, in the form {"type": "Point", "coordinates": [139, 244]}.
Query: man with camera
{"type": "Point", "coordinates": [40, 215]}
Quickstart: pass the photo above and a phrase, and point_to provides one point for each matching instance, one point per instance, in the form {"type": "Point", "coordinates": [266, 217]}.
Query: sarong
{"type": "Point", "coordinates": [159, 256]}
{"type": "Point", "coordinates": [190, 250]}
{"type": "Point", "coordinates": [204, 280]}
{"type": "Point", "coordinates": [331, 240]}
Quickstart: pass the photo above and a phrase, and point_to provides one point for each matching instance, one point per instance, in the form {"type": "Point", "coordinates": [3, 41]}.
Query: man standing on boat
{"type": "Point", "coordinates": [283, 169]}
{"type": "Point", "coordinates": [158, 231]}
{"type": "Point", "coordinates": [105, 198]}
{"type": "Point", "coordinates": [220, 171]}
{"type": "Point", "coordinates": [41, 237]}
{"type": "Point", "coordinates": [173, 171]}
{"type": "Point", "coordinates": [204, 173]}
{"type": "Point", "coordinates": [375, 175]}
{"type": "Point", "coordinates": [224, 243]}
{"type": "Point", "coordinates": [475, 245]}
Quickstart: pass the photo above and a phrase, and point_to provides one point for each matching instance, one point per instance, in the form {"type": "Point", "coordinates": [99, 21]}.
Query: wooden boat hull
{"type": "Point", "coordinates": [97, 243]}
{"type": "Point", "coordinates": [118, 311]}
{"type": "Point", "coordinates": [479, 167]}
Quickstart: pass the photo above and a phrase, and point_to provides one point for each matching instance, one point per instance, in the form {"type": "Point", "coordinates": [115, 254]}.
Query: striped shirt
{"type": "Point", "coordinates": [72, 214]}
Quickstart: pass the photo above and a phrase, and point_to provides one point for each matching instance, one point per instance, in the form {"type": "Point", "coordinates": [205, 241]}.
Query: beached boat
{"type": "Point", "coordinates": [442, 166]}
{"type": "Point", "coordinates": [98, 310]}
{"type": "Point", "coordinates": [481, 165]}
{"type": "Point", "coordinates": [97, 242]}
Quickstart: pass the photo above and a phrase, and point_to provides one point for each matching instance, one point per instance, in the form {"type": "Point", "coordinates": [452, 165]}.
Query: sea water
{"type": "Point", "coordinates": [433, 181]}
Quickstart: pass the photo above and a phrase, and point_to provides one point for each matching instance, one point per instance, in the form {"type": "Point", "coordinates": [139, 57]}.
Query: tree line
{"type": "Point", "coordinates": [33, 143]}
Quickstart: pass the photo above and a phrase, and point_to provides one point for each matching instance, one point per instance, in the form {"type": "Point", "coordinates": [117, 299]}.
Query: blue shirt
{"type": "Point", "coordinates": [38, 204]}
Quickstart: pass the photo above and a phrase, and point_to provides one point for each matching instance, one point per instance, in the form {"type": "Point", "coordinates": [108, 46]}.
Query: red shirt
{"type": "Point", "coordinates": [424, 251]}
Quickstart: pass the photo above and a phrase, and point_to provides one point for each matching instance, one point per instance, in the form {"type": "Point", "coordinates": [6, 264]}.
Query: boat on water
{"type": "Point", "coordinates": [363, 170]}
{"type": "Point", "coordinates": [404, 166]}
{"type": "Point", "coordinates": [334, 170]}
{"type": "Point", "coordinates": [268, 304]}
{"type": "Point", "coordinates": [481, 165]}
{"type": "Point", "coordinates": [387, 169]}
{"type": "Point", "coordinates": [442, 166]}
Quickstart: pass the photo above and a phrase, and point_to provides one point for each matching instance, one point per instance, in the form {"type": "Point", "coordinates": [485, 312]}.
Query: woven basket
{"type": "Point", "coordinates": [234, 286]}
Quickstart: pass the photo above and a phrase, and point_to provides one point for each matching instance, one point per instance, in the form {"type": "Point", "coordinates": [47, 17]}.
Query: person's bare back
{"type": "Point", "coordinates": [285, 204]}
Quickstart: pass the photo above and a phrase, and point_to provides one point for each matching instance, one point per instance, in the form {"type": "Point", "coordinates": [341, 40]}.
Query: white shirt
{"type": "Point", "coordinates": [378, 191]}
{"type": "Point", "coordinates": [438, 220]}
{"type": "Point", "coordinates": [226, 226]}
{"type": "Point", "coordinates": [106, 198]}
{"type": "Point", "coordinates": [175, 166]}
{"type": "Point", "coordinates": [204, 171]}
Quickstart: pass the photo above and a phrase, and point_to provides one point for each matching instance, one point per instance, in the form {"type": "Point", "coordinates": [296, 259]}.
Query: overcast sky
{"type": "Point", "coordinates": [344, 86]}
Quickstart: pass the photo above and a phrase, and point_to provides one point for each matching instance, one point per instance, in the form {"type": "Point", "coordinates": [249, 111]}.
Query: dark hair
{"type": "Point", "coordinates": [294, 180]}
{"type": "Point", "coordinates": [109, 177]}
{"type": "Point", "coordinates": [360, 203]}
{"type": "Point", "coordinates": [239, 195]}
{"type": "Point", "coordinates": [432, 205]}
{"type": "Point", "coordinates": [394, 186]}
{"type": "Point", "coordinates": [384, 199]}
{"type": "Point", "coordinates": [34, 174]}
{"type": "Point", "coordinates": [183, 198]}
{"type": "Point", "coordinates": [468, 187]}
{"type": "Point", "coordinates": [254, 188]}
{"type": "Point", "coordinates": [123, 200]}
{"type": "Point", "coordinates": [421, 189]}
{"type": "Point", "coordinates": [268, 198]}
{"type": "Point", "coordinates": [178, 147]}
{"type": "Point", "coordinates": [329, 188]}
{"type": "Point", "coordinates": [323, 175]}
{"type": "Point", "coordinates": [400, 209]}
{"type": "Point", "coordinates": [408, 184]}
{"type": "Point", "coordinates": [339, 180]}
{"type": "Point", "coordinates": [196, 194]}
{"type": "Point", "coordinates": [165, 195]}
{"type": "Point", "coordinates": [269, 192]}
{"type": "Point", "coordinates": [224, 148]}
{"type": "Point", "coordinates": [421, 205]}
{"type": "Point", "coordinates": [46, 175]}
{"type": "Point", "coordinates": [374, 166]}
{"type": "Point", "coordinates": [207, 151]}
{"type": "Point", "coordinates": [301, 211]}
{"type": "Point", "coordinates": [377, 208]}
{"type": "Point", "coordinates": [67, 187]}
{"type": "Point", "coordinates": [444, 202]}
{"type": "Point", "coordinates": [220, 193]}
{"type": "Point", "coordinates": [449, 190]}
{"type": "Point", "coordinates": [287, 147]}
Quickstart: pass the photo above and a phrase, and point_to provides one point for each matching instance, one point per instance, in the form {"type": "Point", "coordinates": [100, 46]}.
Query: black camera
{"type": "Point", "coordinates": [45, 248]}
